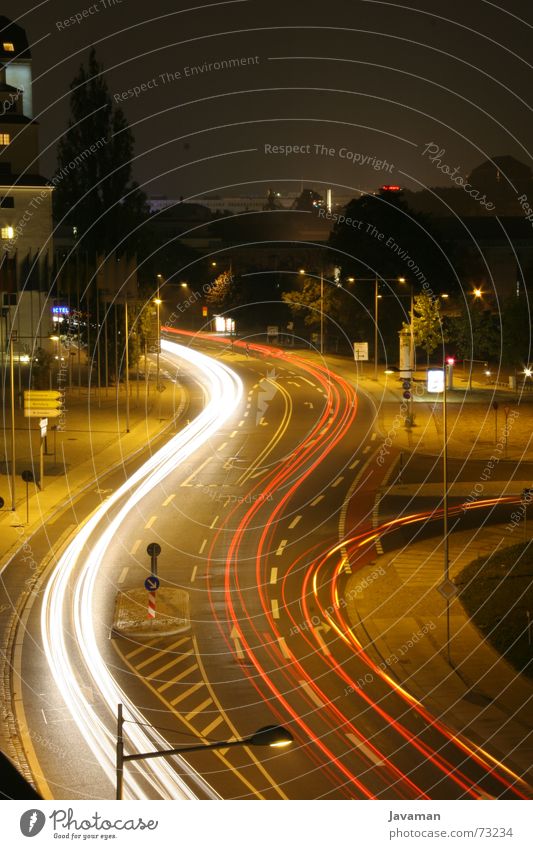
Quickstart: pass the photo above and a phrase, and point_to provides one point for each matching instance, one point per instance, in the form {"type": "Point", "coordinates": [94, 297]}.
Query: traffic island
{"type": "Point", "coordinates": [131, 613]}
{"type": "Point", "coordinates": [497, 593]}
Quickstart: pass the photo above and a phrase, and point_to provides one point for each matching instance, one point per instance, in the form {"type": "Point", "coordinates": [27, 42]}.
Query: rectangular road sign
{"type": "Point", "coordinates": [39, 413]}
{"type": "Point", "coordinates": [360, 351]}
{"type": "Point", "coordinates": [42, 395]}
{"type": "Point", "coordinates": [43, 403]}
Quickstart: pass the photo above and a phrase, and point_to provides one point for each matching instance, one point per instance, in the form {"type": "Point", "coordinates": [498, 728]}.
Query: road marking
{"type": "Point", "coordinates": [167, 501]}
{"type": "Point", "coordinates": [320, 640]}
{"type": "Point", "coordinates": [213, 523]}
{"type": "Point", "coordinates": [164, 668]}
{"type": "Point", "coordinates": [308, 381]}
{"type": "Point", "coordinates": [241, 423]}
{"type": "Point", "coordinates": [150, 522]}
{"type": "Point", "coordinates": [235, 432]}
{"type": "Point", "coordinates": [163, 652]}
{"type": "Point", "coordinates": [184, 695]}
{"type": "Point", "coordinates": [273, 575]}
{"type": "Point", "coordinates": [281, 548]}
{"type": "Point", "coordinates": [203, 545]}
{"type": "Point", "coordinates": [366, 450]}
{"type": "Point", "coordinates": [201, 706]}
{"type": "Point", "coordinates": [284, 648]}
{"type": "Point", "coordinates": [235, 636]}
{"type": "Point", "coordinates": [294, 522]}
{"type": "Point", "coordinates": [311, 693]}
{"type": "Point", "coordinates": [317, 500]}
{"type": "Point", "coordinates": [246, 414]}
{"type": "Point", "coordinates": [373, 437]}
{"type": "Point", "coordinates": [212, 725]}
{"type": "Point", "coordinates": [366, 750]}
{"type": "Point", "coordinates": [222, 446]}
{"type": "Point", "coordinates": [275, 608]}
{"type": "Point", "coordinates": [354, 464]}
{"type": "Point", "coordinates": [337, 482]}
{"type": "Point", "coordinates": [44, 717]}
{"type": "Point", "coordinates": [139, 649]}
{"type": "Point", "coordinates": [193, 575]}
{"type": "Point", "coordinates": [135, 546]}
{"type": "Point", "coordinates": [199, 469]}
{"type": "Point", "coordinates": [122, 576]}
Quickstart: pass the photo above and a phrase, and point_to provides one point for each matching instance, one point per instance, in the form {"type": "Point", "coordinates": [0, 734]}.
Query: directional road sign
{"type": "Point", "coordinates": [152, 583]}
{"type": "Point", "coordinates": [42, 403]}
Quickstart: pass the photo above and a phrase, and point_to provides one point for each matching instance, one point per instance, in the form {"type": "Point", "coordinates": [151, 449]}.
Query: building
{"type": "Point", "coordinates": [25, 202]}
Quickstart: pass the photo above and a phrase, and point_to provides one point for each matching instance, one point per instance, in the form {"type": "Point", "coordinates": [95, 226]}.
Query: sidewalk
{"type": "Point", "coordinates": [400, 621]}
{"type": "Point", "coordinates": [93, 442]}
{"type": "Point", "coordinates": [474, 427]}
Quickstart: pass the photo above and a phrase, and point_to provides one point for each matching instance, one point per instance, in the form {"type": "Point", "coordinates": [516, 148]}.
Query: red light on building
{"type": "Point", "coordinates": [391, 188]}
{"type": "Point", "coordinates": [450, 361]}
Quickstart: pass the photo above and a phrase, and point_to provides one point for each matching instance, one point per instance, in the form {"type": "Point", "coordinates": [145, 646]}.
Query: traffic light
{"type": "Point", "coordinates": [204, 312]}
{"type": "Point", "coordinates": [407, 389]}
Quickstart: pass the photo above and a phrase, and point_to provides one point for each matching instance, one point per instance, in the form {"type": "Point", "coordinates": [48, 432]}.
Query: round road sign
{"type": "Point", "coordinates": [153, 548]}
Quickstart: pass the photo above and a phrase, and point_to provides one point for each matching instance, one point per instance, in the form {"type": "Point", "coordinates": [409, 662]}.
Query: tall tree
{"type": "Point", "coordinates": [475, 334]}
{"type": "Point", "coordinates": [307, 302]}
{"type": "Point", "coordinates": [95, 191]}
{"type": "Point", "coordinates": [428, 330]}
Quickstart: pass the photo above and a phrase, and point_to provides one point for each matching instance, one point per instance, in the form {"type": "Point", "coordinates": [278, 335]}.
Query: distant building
{"type": "Point", "coordinates": [25, 202]}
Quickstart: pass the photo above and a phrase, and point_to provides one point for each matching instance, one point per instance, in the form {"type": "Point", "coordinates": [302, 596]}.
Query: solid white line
{"type": "Point", "coordinates": [167, 501]}
{"type": "Point", "coordinates": [282, 545]}
{"type": "Point", "coordinates": [311, 693]}
{"type": "Point", "coordinates": [275, 608]}
{"type": "Point", "coordinates": [273, 575]}
{"type": "Point", "coordinates": [122, 576]}
{"type": "Point", "coordinates": [366, 750]}
{"type": "Point", "coordinates": [150, 522]}
{"type": "Point", "coordinates": [337, 482]}
{"type": "Point", "coordinates": [203, 545]}
{"type": "Point", "coordinates": [135, 546]}
{"type": "Point", "coordinates": [317, 500]}
{"type": "Point", "coordinates": [294, 522]}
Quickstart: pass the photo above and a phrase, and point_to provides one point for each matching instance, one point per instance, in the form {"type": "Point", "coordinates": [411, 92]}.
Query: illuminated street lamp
{"type": "Point", "coordinates": [274, 736]}
{"type": "Point", "coordinates": [477, 293]}
{"type": "Point", "coordinates": [375, 280]}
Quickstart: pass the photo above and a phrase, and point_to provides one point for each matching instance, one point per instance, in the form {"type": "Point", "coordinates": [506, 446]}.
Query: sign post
{"type": "Point", "coordinates": [27, 477]}
{"type": "Point", "coordinates": [42, 403]}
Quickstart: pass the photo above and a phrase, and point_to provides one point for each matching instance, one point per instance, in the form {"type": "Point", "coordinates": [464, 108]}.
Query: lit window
{"type": "Point", "coordinates": [7, 232]}
{"type": "Point", "coordinates": [5, 139]}
{"type": "Point", "coordinates": [9, 47]}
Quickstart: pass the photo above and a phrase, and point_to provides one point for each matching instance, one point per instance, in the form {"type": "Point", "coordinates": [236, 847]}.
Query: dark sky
{"type": "Point", "coordinates": [379, 79]}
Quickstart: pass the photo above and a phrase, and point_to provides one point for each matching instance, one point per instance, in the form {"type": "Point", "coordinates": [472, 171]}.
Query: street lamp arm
{"type": "Point", "coordinates": [183, 750]}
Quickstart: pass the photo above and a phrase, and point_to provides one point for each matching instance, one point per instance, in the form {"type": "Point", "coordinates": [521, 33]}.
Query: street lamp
{"type": "Point", "coordinates": [477, 293]}
{"type": "Point", "coordinates": [274, 736]}
{"type": "Point", "coordinates": [375, 280]}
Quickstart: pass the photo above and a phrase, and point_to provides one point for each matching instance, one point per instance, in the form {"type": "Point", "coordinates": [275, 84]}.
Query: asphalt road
{"type": "Point", "coordinates": [249, 525]}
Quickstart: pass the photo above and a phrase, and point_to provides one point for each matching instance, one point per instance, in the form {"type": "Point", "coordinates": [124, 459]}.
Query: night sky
{"type": "Point", "coordinates": [379, 79]}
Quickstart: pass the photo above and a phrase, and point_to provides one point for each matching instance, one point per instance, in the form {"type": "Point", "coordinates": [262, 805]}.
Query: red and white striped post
{"type": "Point", "coordinates": [151, 606]}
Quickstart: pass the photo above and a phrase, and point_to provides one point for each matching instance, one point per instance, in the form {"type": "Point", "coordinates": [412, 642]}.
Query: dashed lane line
{"type": "Point", "coordinates": [308, 690]}
{"type": "Point", "coordinates": [281, 547]}
{"type": "Point", "coordinates": [275, 608]}
{"type": "Point", "coordinates": [122, 576]}
{"type": "Point", "coordinates": [294, 522]}
{"type": "Point", "coordinates": [337, 482]}
{"type": "Point", "coordinates": [203, 545]}
{"type": "Point", "coordinates": [317, 500]}
{"type": "Point", "coordinates": [135, 546]}
{"type": "Point", "coordinates": [365, 750]}
{"type": "Point", "coordinates": [170, 498]}
{"type": "Point", "coordinates": [273, 575]}
{"type": "Point", "coordinates": [150, 522]}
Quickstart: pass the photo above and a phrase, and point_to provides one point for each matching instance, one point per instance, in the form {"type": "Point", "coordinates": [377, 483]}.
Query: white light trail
{"type": "Point", "coordinates": [75, 576]}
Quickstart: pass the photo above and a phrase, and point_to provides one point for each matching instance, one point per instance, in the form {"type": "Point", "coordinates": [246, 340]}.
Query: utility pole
{"type": "Point", "coordinates": [126, 329]}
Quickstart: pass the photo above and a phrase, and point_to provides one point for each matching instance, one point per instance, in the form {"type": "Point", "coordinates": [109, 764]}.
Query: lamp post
{"type": "Point", "coordinates": [275, 736]}
{"type": "Point", "coordinates": [12, 388]}
{"type": "Point", "coordinates": [375, 280]}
